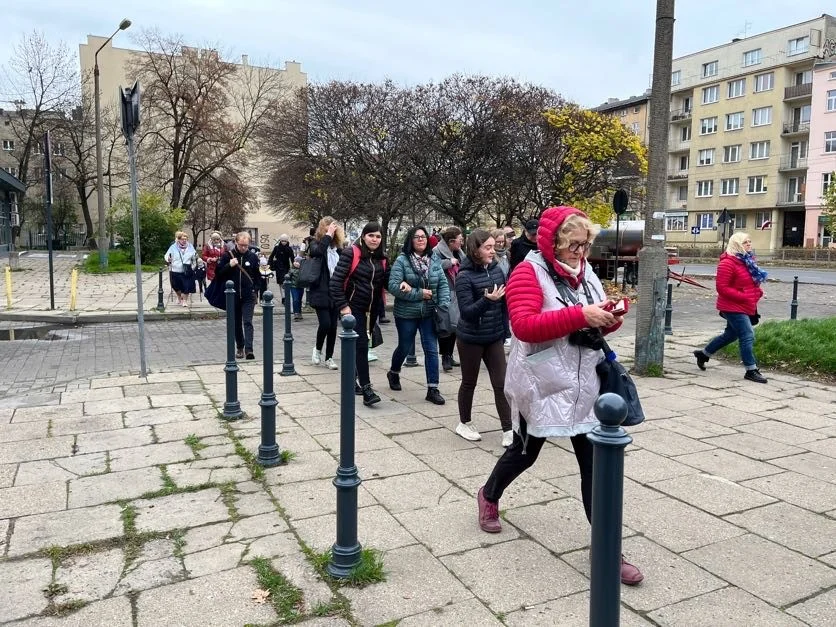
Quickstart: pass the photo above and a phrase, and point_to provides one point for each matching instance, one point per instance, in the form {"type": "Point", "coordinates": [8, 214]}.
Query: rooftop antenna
{"type": "Point", "coordinates": [745, 32]}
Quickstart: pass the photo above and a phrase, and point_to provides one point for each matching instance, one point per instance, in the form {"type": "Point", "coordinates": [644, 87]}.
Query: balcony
{"type": "Point", "coordinates": [795, 92]}
{"type": "Point", "coordinates": [788, 198]}
{"type": "Point", "coordinates": [677, 175]}
{"type": "Point", "coordinates": [792, 163]}
{"type": "Point", "coordinates": [677, 145]}
{"type": "Point", "coordinates": [681, 115]}
{"type": "Point", "coordinates": [796, 128]}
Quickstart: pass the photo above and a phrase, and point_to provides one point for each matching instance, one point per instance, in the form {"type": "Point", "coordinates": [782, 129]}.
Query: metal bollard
{"type": "Point", "coordinates": [160, 294]}
{"type": "Point", "coordinates": [609, 441]}
{"type": "Point", "coordinates": [794, 301]}
{"type": "Point", "coordinates": [288, 368]}
{"type": "Point", "coordinates": [345, 554]}
{"type": "Point", "coordinates": [268, 450]}
{"type": "Point", "coordinates": [232, 406]}
{"type": "Point", "coordinates": [669, 311]}
{"type": "Point", "coordinates": [411, 359]}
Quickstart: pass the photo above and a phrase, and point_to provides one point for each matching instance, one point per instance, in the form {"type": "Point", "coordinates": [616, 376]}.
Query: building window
{"type": "Point", "coordinates": [682, 194]}
{"type": "Point", "coordinates": [734, 121]}
{"type": "Point", "coordinates": [799, 45]}
{"type": "Point", "coordinates": [635, 127]}
{"type": "Point", "coordinates": [8, 145]}
{"type": "Point", "coordinates": [753, 57]}
{"type": "Point", "coordinates": [831, 100]}
{"type": "Point", "coordinates": [737, 88]}
{"type": "Point", "coordinates": [11, 170]}
{"type": "Point", "coordinates": [636, 109]}
{"type": "Point", "coordinates": [710, 94]}
{"type": "Point", "coordinates": [729, 187]}
{"type": "Point", "coordinates": [709, 69]}
{"type": "Point", "coordinates": [762, 116]}
{"type": "Point", "coordinates": [759, 150]}
{"type": "Point", "coordinates": [676, 223]}
{"type": "Point", "coordinates": [705, 220]}
{"type": "Point", "coordinates": [738, 220]}
{"type": "Point", "coordinates": [58, 149]}
{"type": "Point", "coordinates": [676, 78]}
{"type": "Point", "coordinates": [757, 185]}
{"type": "Point", "coordinates": [731, 154]}
{"type": "Point", "coordinates": [685, 133]}
{"type": "Point", "coordinates": [826, 179]}
{"type": "Point", "coordinates": [705, 189]}
{"type": "Point", "coordinates": [830, 141]}
{"type": "Point", "coordinates": [708, 125]}
{"type": "Point", "coordinates": [622, 113]}
{"type": "Point", "coordinates": [37, 148]}
{"type": "Point", "coordinates": [706, 156]}
{"type": "Point", "coordinates": [763, 220]}
{"type": "Point", "coordinates": [683, 163]}
{"type": "Point", "coordinates": [764, 82]}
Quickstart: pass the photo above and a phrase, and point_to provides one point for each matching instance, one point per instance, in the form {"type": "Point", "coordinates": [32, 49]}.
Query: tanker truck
{"type": "Point", "coordinates": [602, 255]}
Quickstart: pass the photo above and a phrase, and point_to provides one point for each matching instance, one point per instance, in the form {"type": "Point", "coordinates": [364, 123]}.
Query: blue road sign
{"type": "Point", "coordinates": [695, 230]}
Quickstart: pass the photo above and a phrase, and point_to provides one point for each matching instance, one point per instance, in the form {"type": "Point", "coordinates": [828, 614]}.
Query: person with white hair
{"type": "Point", "coordinates": [281, 258]}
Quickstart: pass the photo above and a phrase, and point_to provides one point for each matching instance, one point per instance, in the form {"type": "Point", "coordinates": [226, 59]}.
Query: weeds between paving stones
{"type": "Point", "coordinates": [286, 598]}
{"type": "Point", "coordinates": [654, 370]}
{"type": "Point", "coordinates": [335, 607]}
{"type": "Point", "coordinates": [367, 572]}
{"type": "Point", "coordinates": [228, 493]}
{"type": "Point", "coordinates": [256, 471]}
{"type": "Point", "coordinates": [194, 443]}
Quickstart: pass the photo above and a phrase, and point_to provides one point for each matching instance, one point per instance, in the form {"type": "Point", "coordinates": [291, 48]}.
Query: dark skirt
{"type": "Point", "coordinates": [182, 282]}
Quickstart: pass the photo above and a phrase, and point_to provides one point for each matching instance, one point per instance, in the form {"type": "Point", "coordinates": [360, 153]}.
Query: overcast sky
{"type": "Point", "coordinates": [588, 51]}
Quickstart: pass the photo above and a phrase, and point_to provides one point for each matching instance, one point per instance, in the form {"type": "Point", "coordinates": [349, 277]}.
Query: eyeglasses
{"type": "Point", "coordinates": [419, 237]}
{"type": "Point", "coordinates": [576, 247]}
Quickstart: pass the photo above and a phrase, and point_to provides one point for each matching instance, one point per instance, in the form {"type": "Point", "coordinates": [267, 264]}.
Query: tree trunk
{"type": "Point", "coordinates": [88, 220]}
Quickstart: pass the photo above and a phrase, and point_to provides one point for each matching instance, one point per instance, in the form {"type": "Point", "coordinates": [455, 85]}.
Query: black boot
{"type": "Point", "coordinates": [370, 397]}
{"type": "Point", "coordinates": [754, 375]}
{"type": "Point", "coordinates": [453, 362]}
{"type": "Point", "coordinates": [702, 359]}
{"type": "Point", "coordinates": [447, 362]}
{"type": "Point", "coordinates": [358, 391]}
{"type": "Point", "coordinates": [394, 380]}
{"type": "Point", "coordinates": [434, 396]}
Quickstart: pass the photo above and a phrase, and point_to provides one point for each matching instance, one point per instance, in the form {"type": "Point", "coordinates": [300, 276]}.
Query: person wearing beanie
{"type": "Point", "coordinates": [559, 310]}
{"type": "Point", "coordinates": [524, 244]}
{"type": "Point", "coordinates": [281, 258]}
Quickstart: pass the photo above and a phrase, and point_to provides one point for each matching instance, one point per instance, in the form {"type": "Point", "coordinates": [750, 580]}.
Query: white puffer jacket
{"type": "Point", "coordinates": [554, 384]}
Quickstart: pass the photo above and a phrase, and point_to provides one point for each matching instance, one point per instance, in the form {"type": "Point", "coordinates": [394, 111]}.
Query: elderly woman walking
{"type": "Point", "coordinates": [738, 291]}
{"type": "Point", "coordinates": [558, 308]}
{"type": "Point", "coordinates": [181, 258]}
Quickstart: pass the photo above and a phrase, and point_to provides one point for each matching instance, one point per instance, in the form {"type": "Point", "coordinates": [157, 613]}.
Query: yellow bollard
{"type": "Point", "coordinates": [8, 287]}
{"type": "Point", "coordinates": [73, 288]}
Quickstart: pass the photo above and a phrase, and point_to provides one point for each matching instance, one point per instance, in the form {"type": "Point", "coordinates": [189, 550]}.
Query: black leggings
{"type": "Point", "coordinates": [327, 329]}
{"type": "Point", "coordinates": [514, 462]}
{"type": "Point", "coordinates": [446, 345]}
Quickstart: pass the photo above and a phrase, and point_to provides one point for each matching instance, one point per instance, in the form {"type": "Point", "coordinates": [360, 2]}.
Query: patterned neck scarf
{"type": "Point", "coordinates": [421, 265]}
{"type": "Point", "coordinates": [758, 275]}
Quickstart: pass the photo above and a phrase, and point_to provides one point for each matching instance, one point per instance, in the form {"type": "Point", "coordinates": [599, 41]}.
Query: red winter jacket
{"type": "Point", "coordinates": [524, 294]}
{"type": "Point", "coordinates": [737, 291]}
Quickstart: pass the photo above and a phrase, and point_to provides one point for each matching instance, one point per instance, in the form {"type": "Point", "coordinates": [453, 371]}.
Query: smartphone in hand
{"type": "Point", "coordinates": [620, 307]}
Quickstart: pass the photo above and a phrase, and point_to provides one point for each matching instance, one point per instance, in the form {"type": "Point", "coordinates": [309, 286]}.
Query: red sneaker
{"type": "Point", "coordinates": [488, 514]}
{"type": "Point", "coordinates": [630, 575]}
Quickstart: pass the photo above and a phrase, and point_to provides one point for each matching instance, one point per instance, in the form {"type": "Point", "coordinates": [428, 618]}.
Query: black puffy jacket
{"type": "Point", "coordinates": [362, 290]}
{"type": "Point", "coordinates": [246, 274]}
{"type": "Point", "coordinates": [319, 296]}
{"type": "Point", "coordinates": [482, 321]}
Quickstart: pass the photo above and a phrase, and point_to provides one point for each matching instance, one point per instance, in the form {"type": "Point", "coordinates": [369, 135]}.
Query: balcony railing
{"type": "Point", "coordinates": [790, 198]}
{"type": "Point", "coordinates": [792, 163]}
{"type": "Point", "coordinates": [678, 115]}
{"type": "Point", "coordinates": [677, 175]}
{"type": "Point", "coordinates": [798, 91]}
{"type": "Point", "coordinates": [793, 127]}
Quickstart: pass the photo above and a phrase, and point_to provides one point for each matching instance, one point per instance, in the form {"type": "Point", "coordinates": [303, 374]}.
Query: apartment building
{"type": "Point", "coordinates": [633, 112]}
{"type": "Point", "coordinates": [740, 136]}
{"type": "Point", "coordinates": [821, 155]}
{"type": "Point", "coordinates": [264, 226]}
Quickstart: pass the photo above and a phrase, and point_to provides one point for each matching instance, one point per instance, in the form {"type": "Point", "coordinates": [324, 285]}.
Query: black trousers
{"type": "Point", "coordinates": [361, 358]}
{"type": "Point", "coordinates": [244, 308]}
{"type": "Point", "coordinates": [326, 332]}
{"type": "Point", "coordinates": [446, 345]}
{"type": "Point", "coordinates": [514, 462]}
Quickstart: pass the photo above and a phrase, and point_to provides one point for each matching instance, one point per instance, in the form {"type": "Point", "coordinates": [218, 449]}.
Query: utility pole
{"type": "Point", "coordinates": [653, 259]}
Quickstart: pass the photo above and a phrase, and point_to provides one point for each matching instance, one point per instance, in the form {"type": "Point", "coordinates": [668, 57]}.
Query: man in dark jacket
{"type": "Point", "coordinates": [524, 244]}
{"type": "Point", "coordinates": [281, 258]}
{"type": "Point", "coordinates": [240, 265]}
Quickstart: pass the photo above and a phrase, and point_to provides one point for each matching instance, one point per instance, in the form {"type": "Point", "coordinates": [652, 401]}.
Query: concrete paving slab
{"type": "Point", "coordinates": [729, 606]}
{"type": "Point", "coordinates": [86, 424]}
{"type": "Point", "coordinates": [472, 613]}
{"type": "Point", "coordinates": [304, 467]}
{"type": "Point", "coordinates": [149, 455]}
{"type": "Point", "coordinates": [89, 576]}
{"type": "Point", "coordinates": [307, 499]}
{"type": "Point", "coordinates": [807, 492]}
{"type": "Point", "coordinates": [731, 466]}
{"type": "Point", "coordinates": [415, 582]}
{"type": "Point", "coordinates": [376, 528]}
{"type": "Point", "coordinates": [405, 422]}
{"type": "Point", "coordinates": [22, 431]}
{"type": "Point", "coordinates": [646, 467]}
{"type": "Point", "coordinates": [33, 499]}
{"type": "Point", "coordinates": [116, 439]}
{"type": "Point", "coordinates": [158, 416]}
{"type": "Point", "coordinates": [133, 403]}
{"type": "Point", "coordinates": [782, 432]}
{"type": "Point", "coordinates": [45, 471]}
{"type": "Point", "coordinates": [792, 527]}
{"type": "Point", "coordinates": [754, 446]}
{"type": "Point", "coordinates": [114, 612]}
{"type": "Point", "coordinates": [177, 431]}
{"type": "Point", "coordinates": [433, 440]}
{"type": "Point", "coordinates": [664, 442]}
{"type": "Point", "coordinates": [713, 494]}
{"type": "Point", "coordinates": [570, 611]}
{"type": "Point", "coordinates": [274, 545]}
{"type": "Point", "coordinates": [95, 394]}
{"type": "Point", "coordinates": [416, 491]}
{"type": "Point", "coordinates": [75, 526]}
{"type": "Point", "coordinates": [7, 474]}
{"type": "Point", "coordinates": [214, 560]}
{"type": "Point", "coordinates": [388, 463]}
{"type": "Point", "coordinates": [47, 412]}
{"type": "Point", "coordinates": [509, 575]}
{"type": "Point", "coordinates": [818, 611]}
{"type": "Point", "coordinates": [792, 416]}
{"type": "Point", "coordinates": [114, 486]}
{"type": "Point", "coordinates": [33, 450]}
{"type": "Point", "coordinates": [220, 600]}
{"type": "Point", "coordinates": [767, 570]}
{"type": "Point", "coordinates": [180, 511]}
{"type": "Point", "coordinates": [84, 465]}
{"type": "Point", "coordinates": [366, 439]}
{"type": "Point", "coordinates": [471, 462]}
{"type": "Point", "coordinates": [22, 584]}
{"type": "Point", "coordinates": [526, 490]}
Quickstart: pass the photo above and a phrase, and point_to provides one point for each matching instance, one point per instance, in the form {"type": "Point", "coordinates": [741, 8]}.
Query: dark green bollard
{"type": "Point", "coordinates": [160, 303]}
{"type": "Point", "coordinates": [232, 406]}
{"type": "Point", "coordinates": [609, 441]}
{"type": "Point", "coordinates": [288, 369]}
{"type": "Point", "coordinates": [669, 311]}
{"type": "Point", "coordinates": [268, 450]}
{"type": "Point", "coordinates": [345, 554]}
{"type": "Point", "coordinates": [794, 301]}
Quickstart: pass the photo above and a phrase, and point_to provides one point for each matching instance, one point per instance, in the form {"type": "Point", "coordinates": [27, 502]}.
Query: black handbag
{"type": "Point", "coordinates": [616, 380]}
{"type": "Point", "coordinates": [215, 294]}
{"type": "Point", "coordinates": [310, 272]}
{"type": "Point", "coordinates": [441, 321]}
{"type": "Point", "coordinates": [377, 335]}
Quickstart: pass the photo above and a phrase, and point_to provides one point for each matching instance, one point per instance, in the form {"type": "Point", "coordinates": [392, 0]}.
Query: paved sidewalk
{"type": "Point", "coordinates": [129, 502]}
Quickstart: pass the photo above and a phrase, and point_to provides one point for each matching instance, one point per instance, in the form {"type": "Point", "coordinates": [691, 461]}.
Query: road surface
{"type": "Point", "coordinates": [815, 276]}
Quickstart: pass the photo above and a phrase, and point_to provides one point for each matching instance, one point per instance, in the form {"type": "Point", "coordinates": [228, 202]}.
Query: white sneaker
{"type": "Point", "coordinates": [372, 356]}
{"type": "Point", "coordinates": [316, 357]}
{"type": "Point", "coordinates": [331, 364]}
{"type": "Point", "coordinates": [466, 430]}
{"type": "Point", "coordinates": [507, 438]}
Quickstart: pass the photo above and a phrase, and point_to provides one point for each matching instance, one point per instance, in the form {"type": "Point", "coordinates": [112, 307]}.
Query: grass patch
{"type": "Point", "coordinates": [335, 607]}
{"type": "Point", "coordinates": [49, 428]}
{"type": "Point", "coordinates": [66, 608]}
{"type": "Point", "coordinates": [169, 488]}
{"type": "Point", "coordinates": [286, 456]}
{"type": "Point", "coordinates": [368, 571]}
{"type": "Point", "coordinates": [654, 370]}
{"type": "Point", "coordinates": [805, 347]}
{"type": "Point", "coordinates": [194, 443]}
{"type": "Point", "coordinates": [117, 261]}
{"type": "Point", "coordinates": [250, 460]}
{"type": "Point", "coordinates": [285, 597]}
{"type": "Point", "coordinates": [55, 589]}
{"type": "Point", "coordinates": [228, 497]}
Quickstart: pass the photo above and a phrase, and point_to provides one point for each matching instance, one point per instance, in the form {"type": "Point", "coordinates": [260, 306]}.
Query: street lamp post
{"type": "Point", "coordinates": [99, 182]}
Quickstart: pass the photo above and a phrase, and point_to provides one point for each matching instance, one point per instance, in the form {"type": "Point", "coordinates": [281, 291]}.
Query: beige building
{"type": "Point", "coordinates": [632, 112]}
{"type": "Point", "coordinates": [264, 226]}
{"type": "Point", "coordinates": [739, 136]}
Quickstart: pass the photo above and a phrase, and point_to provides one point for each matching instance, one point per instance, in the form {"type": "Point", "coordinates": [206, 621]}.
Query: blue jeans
{"type": "Point", "coordinates": [738, 327]}
{"type": "Point", "coordinates": [407, 328]}
{"type": "Point", "coordinates": [296, 298]}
